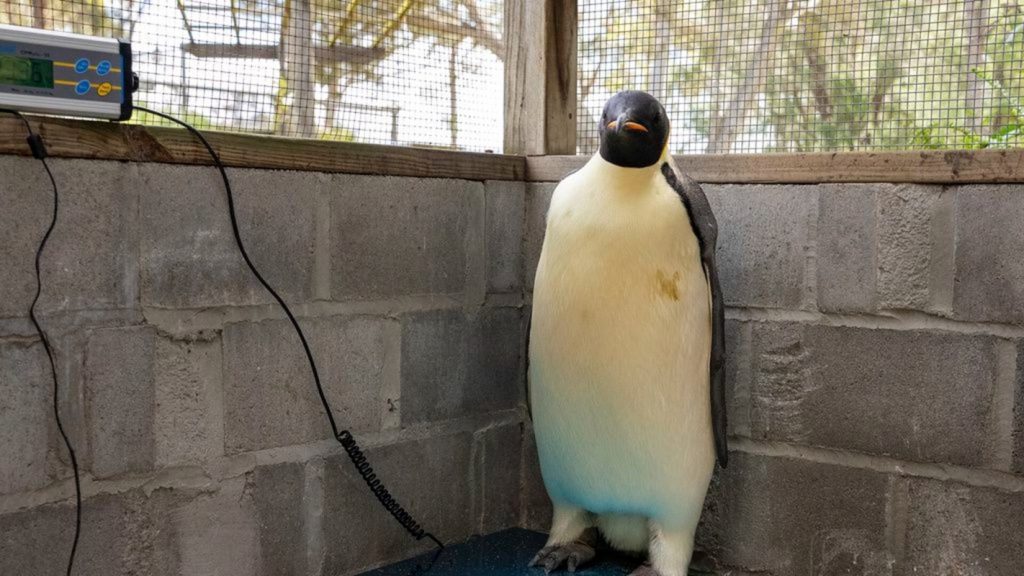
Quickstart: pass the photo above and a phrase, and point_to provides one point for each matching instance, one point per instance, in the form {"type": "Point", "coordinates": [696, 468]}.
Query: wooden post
{"type": "Point", "coordinates": [297, 56]}
{"type": "Point", "coordinates": [540, 77]}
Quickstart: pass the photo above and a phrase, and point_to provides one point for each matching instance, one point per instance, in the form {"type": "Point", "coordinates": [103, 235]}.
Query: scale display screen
{"type": "Point", "coordinates": [32, 72]}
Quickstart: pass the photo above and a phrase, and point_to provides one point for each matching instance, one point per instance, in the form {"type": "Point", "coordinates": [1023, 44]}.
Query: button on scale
{"type": "Point", "coordinates": [82, 65]}
{"type": "Point", "coordinates": [103, 68]}
{"type": "Point", "coordinates": [104, 89]}
{"type": "Point", "coordinates": [82, 87]}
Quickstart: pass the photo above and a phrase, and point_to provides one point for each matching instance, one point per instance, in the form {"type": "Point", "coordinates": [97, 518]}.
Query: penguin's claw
{"type": "Point", "coordinates": [572, 555]}
{"type": "Point", "coordinates": [645, 570]}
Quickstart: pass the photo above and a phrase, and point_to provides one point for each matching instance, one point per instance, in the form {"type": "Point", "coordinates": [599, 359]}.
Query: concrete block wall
{"type": "Point", "coordinates": [875, 341]}
{"type": "Point", "coordinates": [874, 335]}
{"type": "Point", "coordinates": [203, 446]}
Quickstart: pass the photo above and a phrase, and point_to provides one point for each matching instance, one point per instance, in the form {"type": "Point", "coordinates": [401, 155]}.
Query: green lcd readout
{"type": "Point", "coordinates": [31, 72]}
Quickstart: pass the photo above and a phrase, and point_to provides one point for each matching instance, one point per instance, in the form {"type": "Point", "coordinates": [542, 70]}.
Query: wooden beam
{"type": "Point", "coordinates": [927, 167]}
{"type": "Point", "coordinates": [324, 54]}
{"type": "Point", "coordinates": [129, 142]}
{"type": "Point", "coordinates": [111, 141]}
{"type": "Point", "coordinates": [540, 76]}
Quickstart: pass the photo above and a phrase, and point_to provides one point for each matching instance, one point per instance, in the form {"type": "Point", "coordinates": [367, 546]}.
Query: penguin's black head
{"type": "Point", "coordinates": [633, 129]}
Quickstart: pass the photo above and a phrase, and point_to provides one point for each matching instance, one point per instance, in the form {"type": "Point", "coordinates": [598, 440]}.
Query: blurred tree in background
{"type": "Point", "coordinates": [812, 75]}
{"type": "Point", "coordinates": [736, 75]}
{"type": "Point", "coordinates": [382, 28]}
{"type": "Point", "coordinates": [322, 48]}
{"type": "Point", "coordinates": [81, 16]}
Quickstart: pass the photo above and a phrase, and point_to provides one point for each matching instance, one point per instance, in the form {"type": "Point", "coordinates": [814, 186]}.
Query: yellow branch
{"type": "Point", "coordinates": [344, 22]}
{"type": "Point", "coordinates": [350, 9]}
{"type": "Point", "coordinates": [406, 6]}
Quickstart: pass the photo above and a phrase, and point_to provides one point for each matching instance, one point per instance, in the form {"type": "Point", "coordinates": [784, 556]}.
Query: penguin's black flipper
{"type": "Point", "coordinates": [526, 370]}
{"type": "Point", "coordinates": [706, 229]}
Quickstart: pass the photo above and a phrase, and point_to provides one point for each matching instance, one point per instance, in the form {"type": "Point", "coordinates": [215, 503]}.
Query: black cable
{"type": "Point", "coordinates": [344, 437]}
{"type": "Point", "coordinates": [35, 143]}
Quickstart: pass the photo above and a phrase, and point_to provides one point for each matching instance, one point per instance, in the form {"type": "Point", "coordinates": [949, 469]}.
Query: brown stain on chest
{"type": "Point", "coordinates": [668, 286]}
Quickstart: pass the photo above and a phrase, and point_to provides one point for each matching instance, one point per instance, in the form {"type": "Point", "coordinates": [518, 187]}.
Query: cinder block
{"type": "Point", "coordinates": [25, 412]}
{"type": "Point", "coordinates": [847, 236]}
{"type": "Point", "coordinates": [434, 370]}
{"type": "Point", "coordinates": [398, 236]}
{"type": "Point", "coordinates": [498, 455]}
{"type": "Point", "coordinates": [914, 395]}
{"type": "Point", "coordinates": [496, 380]}
{"type": "Point", "coordinates": [120, 399]}
{"type": "Point", "coordinates": [453, 365]}
{"type": "Point", "coordinates": [33, 380]}
{"type": "Point", "coordinates": [91, 259]}
{"type": "Point", "coordinates": [37, 540]}
{"type": "Point", "coordinates": [269, 396]}
{"type": "Point", "coordinates": [710, 529]}
{"type": "Point", "coordinates": [69, 356]}
{"type": "Point", "coordinates": [905, 245]}
{"type": "Point", "coordinates": [538, 198]}
{"type": "Point", "coordinates": [217, 533]}
{"type": "Point", "coordinates": [959, 529]}
{"type": "Point", "coordinates": [737, 377]}
{"type": "Point", "coordinates": [187, 424]}
{"type": "Point", "coordinates": [27, 200]}
{"type": "Point", "coordinates": [428, 477]}
{"type": "Point", "coordinates": [1018, 414]}
{"type": "Point", "coordinates": [279, 501]}
{"type": "Point", "coordinates": [189, 256]}
{"type": "Point", "coordinates": [989, 277]}
{"type": "Point", "coordinates": [536, 507]}
{"type": "Point", "coordinates": [124, 533]}
{"type": "Point", "coordinates": [789, 517]}
{"type": "Point", "coordinates": [504, 220]}
{"type": "Point", "coordinates": [765, 234]}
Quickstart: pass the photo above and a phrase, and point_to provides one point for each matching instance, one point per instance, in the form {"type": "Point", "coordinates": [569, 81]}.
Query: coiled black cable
{"type": "Point", "coordinates": [378, 489]}
{"type": "Point", "coordinates": [35, 143]}
{"type": "Point", "coordinates": [344, 437]}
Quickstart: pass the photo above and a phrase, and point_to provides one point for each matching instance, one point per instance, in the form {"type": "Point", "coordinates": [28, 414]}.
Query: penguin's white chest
{"type": "Point", "coordinates": [619, 348]}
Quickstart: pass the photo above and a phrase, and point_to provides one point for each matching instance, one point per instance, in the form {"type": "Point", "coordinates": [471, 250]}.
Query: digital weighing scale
{"type": "Point", "coordinates": [65, 74]}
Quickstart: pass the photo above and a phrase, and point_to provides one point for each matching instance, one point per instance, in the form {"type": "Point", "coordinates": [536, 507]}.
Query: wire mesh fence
{"type": "Point", "coordinates": [404, 72]}
{"type": "Point", "coordinates": [735, 75]}
{"type": "Point", "coordinates": [811, 75]}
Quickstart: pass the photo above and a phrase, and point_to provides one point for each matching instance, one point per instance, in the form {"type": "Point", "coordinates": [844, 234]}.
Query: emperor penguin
{"type": "Point", "coordinates": [626, 350]}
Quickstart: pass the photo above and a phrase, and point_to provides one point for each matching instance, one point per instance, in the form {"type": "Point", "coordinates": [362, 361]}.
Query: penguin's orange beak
{"type": "Point", "coordinates": [628, 126]}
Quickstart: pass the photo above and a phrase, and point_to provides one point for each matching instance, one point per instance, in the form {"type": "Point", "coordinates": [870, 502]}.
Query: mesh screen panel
{"type": "Point", "coordinates": [810, 75]}
{"type": "Point", "coordinates": [406, 72]}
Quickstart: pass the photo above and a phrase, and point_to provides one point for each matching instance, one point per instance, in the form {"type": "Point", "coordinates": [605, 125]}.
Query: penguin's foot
{"type": "Point", "coordinates": [645, 570]}
{"type": "Point", "coordinates": [572, 555]}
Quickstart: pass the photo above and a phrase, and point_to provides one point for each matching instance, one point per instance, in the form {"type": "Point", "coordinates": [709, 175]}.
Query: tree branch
{"type": "Point", "coordinates": [977, 94]}
{"type": "Point", "coordinates": [393, 25]}
{"type": "Point", "coordinates": [739, 107]}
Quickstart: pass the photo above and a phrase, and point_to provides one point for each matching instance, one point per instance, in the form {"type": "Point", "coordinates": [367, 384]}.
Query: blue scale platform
{"type": "Point", "coordinates": [503, 553]}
